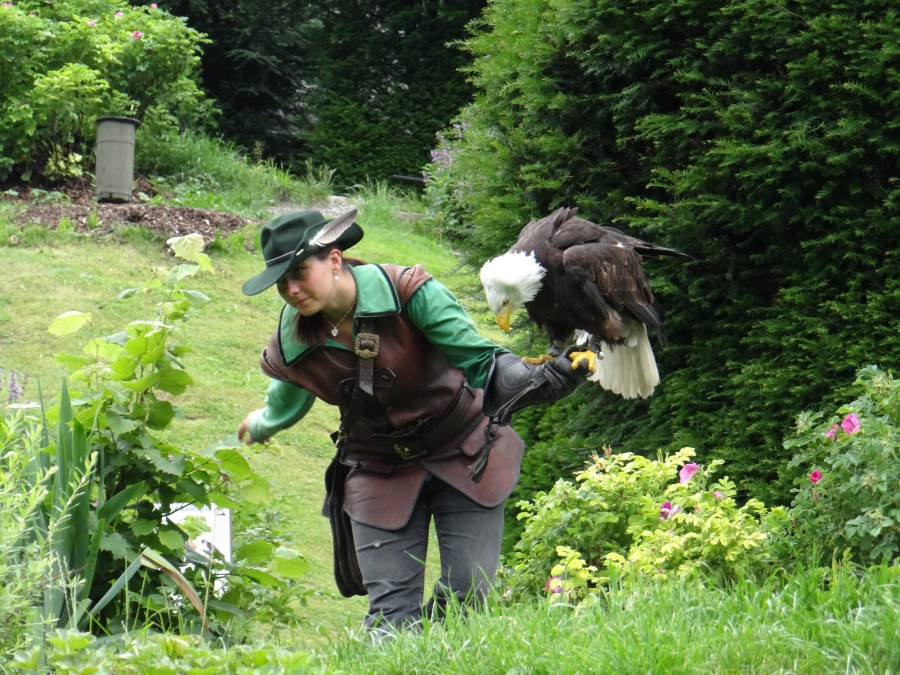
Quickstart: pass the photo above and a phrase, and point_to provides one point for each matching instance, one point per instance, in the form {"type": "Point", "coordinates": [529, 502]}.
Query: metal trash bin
{"type": "Point", "coordinates": [115, 158]}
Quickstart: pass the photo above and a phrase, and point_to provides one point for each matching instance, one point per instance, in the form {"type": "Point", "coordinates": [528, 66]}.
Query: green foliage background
{"type": "Point", "coordinates": [385, 82]}
{"type": "Point", "coordinates": [760, 139]}
{"type": "Point", "coordinates": [257, 66]}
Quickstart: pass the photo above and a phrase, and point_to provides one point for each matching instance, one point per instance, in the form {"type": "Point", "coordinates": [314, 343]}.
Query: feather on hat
{"type": "Point", "coordinates": [289, 239]}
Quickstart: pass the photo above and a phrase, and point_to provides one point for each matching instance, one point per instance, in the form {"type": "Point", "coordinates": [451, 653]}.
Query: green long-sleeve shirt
{"type": "Point", "coordinates": [433, 309]}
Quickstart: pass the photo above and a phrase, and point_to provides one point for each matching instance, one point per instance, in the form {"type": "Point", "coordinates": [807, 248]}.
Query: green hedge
{"type": "Point", "coordinates": [761, 139]}
{"type": "Point", "coordinates": [385, 79]}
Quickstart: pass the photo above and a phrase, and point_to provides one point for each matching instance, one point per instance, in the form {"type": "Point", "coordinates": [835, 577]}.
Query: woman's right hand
{"type": "Point", "coordinates": [243, 432]}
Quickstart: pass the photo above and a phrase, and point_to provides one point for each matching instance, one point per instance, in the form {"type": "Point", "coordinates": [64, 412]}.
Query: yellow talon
{"type": "Point", "coordinates": [587, 358]}
{"type": "Point", "coordinates": [537, 360]}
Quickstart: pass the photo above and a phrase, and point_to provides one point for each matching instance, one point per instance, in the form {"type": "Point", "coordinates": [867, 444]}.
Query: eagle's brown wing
{"type": "Point", "coordinates": [611, 278]}
{"type": "Point", "coordinates": [536, 236]}
{"type": "Point", "coordinates": [594, 281]}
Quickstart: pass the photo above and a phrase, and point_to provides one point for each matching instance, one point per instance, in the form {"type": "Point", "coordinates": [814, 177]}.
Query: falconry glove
{"type": "Point", "coordinates": [513, 384]}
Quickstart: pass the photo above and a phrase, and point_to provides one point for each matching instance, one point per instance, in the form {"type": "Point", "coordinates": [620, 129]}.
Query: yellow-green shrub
{"type": "Point", "coordinates": [628, 516]}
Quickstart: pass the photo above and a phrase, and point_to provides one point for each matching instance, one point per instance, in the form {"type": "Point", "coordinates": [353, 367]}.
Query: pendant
{"type": "Point", "coordinates": [334, 332]}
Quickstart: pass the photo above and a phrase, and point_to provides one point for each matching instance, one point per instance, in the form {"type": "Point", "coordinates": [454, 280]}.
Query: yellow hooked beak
{"type": "Point", "coordinates": [503, 319]}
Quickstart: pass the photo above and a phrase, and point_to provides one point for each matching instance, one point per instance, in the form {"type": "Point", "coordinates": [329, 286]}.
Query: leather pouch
{"type": "Point", "coordinates": [347, 575]}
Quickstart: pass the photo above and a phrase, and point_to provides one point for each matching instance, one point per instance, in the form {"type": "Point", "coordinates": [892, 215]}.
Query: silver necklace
{"type": "Point", "coordinates": [334, 326]}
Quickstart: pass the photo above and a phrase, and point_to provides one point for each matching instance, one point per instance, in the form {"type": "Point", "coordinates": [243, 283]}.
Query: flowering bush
{"type": "Point", "coordinates": [64, 64]}
{"type": "Point", "coordinates": [446, 212]}
{"type": "Point", "coordinates": [846, 472]}
{"type": "Point", "coordinates": [627, 516]}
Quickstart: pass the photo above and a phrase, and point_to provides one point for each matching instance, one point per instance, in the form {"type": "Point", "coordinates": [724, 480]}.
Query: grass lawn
{"type": "Point", "coordinates": [76, 272]}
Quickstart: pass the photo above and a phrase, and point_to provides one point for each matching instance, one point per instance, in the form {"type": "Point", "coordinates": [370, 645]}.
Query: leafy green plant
{"type": "Point", "coordinates": [24, 562]}
{"type": "Point", "coordinates": [820, 620]}
{"type": "Point", "coordinates": [446, 214]}
{"type": "Point", "coordinates": [65, 104]}
{"type": "Point", "coordinates": [135, 480]}
{"type": "Point", "coordinates": [74, 652]}
{"type": "Point", "coordinates": [847, 472]}
{"type": "Point", "coordinates": [625, 518]}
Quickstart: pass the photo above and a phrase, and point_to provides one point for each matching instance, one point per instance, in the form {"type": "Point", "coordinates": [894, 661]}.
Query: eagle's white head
{"type": "Point", "coordinates": [510, 280]}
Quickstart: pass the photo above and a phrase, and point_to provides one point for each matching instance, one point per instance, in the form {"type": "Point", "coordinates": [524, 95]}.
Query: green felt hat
{"type": "Point", "coordinates": [289, 239]}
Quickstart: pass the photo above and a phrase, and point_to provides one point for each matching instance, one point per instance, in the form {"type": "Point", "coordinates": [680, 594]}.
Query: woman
{"type": "Point", "coordinates": [392, 348]}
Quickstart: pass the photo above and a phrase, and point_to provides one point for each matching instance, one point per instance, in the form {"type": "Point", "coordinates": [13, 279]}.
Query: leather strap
{"type": "Point", "coordinates": [366, 349]}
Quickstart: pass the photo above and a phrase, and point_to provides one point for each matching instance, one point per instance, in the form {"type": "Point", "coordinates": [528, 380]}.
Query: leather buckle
{"type": "Point", "coordinates": [366, 345]}
{"type": "Point", "coordinates": [407, 453]}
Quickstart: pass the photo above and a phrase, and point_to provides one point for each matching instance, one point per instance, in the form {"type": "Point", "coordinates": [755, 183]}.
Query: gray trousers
{"type": "Point", "coordinates": [393, 561]}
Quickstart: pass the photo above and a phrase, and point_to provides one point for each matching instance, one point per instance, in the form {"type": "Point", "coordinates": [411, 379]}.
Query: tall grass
{"type": "Point", "coordinates": [848, 622]}
{"type": "Point", "coordinates": [204, 172]}
{"type": "Point", "coordinates": [25, 561]}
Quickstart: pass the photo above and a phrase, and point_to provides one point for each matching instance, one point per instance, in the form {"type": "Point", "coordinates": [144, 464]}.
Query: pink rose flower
{"type": "Point", "coordinates": [832, 432]}
{"type": "Point", "coordinates": [718, 495]}
{"type": "Point", "coordinates": [666, 511]}
{"type": "Point", "coordinates": [815, 476]}
{"type": "Point", "coordinates": [687, 471]}
{"type": "Point", "coordinates": [137, 35]}
{"type": "Point", "coordinates": [554, 585]}
{"type": "Point", "coordinates": [119, 15]}
{"type": "Point", "coordinates": [850, 423]}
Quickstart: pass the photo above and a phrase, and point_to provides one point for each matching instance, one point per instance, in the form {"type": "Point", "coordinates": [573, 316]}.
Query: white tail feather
{"type": "Point", "coordinates": [628, 370]}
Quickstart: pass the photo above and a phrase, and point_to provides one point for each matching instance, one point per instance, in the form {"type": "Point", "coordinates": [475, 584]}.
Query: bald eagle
{"type": "Point", "coordinates": [576, 277]}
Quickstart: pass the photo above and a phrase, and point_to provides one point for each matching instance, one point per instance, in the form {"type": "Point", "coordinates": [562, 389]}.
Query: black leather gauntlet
{"type": "Point", "coordinates": [513, 384]}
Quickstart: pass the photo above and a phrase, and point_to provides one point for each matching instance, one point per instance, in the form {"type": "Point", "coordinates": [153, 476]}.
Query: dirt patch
{"type": "Point", "coordinates": [75, 202]}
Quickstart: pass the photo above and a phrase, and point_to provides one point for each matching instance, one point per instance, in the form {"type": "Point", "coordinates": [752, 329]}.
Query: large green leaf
{"type": "Point", "coordinates": [160, 414]}
{"type": "Point", "coordinates": [113, 542]}
{"type": "Point", "coordinates": [68, 322]}
{"type": "Point", "coordinates": [143, 526]}
{"type": "Point", "coordinates": [123, 367]}
{"type": "Point", "coordinates": [173, 380]}
{"type": "Point", "coordinates": [114, 505]}
{"type": "Point", "coordinates": [101, 349]}
{"type": "Point", "coordinates": [142, 384]}
{"type": "Point", "coordinates": [149, 346]}
{"type": "Point", "coordinates": [120, 425]}
{"type": "Point", "coordinates": [171, 539]}
{"type": "Point", "coordinates": [154, 560]}
{"type": "Point", "coordinates": [289, 563]}
{"type": "Point", "coordinates": [71, 361]}
{"type": "Point", "coordinates": [233, 462]}
{"type": "Point", "coordinates": [190, 248]}
{"type": "Point", "coordinates": [255, 552]}
{"type": "Point", "coordinates": [117, 586]}
{"type": "Point", "coordinates": [256, 491]}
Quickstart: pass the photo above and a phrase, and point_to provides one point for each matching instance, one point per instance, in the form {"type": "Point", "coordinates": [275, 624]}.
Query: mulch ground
{"type": "Point", "coordinates": [47, 206]}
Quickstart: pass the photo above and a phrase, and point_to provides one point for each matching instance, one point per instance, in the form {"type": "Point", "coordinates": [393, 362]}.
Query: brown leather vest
{"type": "Point", "coordinates": [424, 417]}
